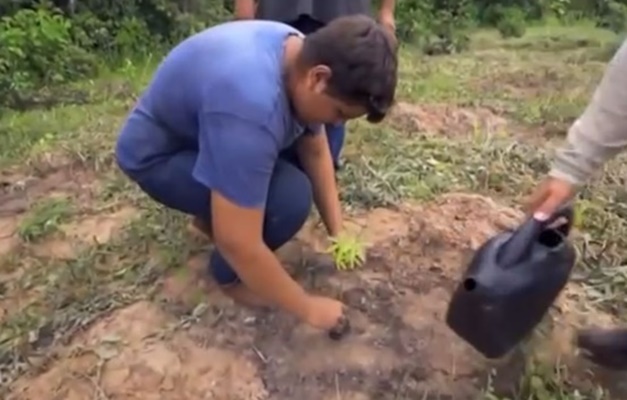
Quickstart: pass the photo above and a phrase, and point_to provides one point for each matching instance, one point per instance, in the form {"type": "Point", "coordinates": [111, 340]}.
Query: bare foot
{"type": "Point", "coordinates": [199, 227]}
{"type": "Point", "coordinates": [244, 296]}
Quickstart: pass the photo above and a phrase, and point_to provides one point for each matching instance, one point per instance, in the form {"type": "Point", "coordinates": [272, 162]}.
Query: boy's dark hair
{"type": "Point", "coordinates": [362, 56]}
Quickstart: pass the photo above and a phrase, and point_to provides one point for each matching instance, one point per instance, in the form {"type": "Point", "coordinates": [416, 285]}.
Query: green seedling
{"type": "Point", "coordinates": [347, 251]}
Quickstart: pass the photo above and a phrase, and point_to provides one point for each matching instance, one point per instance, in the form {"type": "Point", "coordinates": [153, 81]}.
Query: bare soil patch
{"type": "Point", "coordinates": [446, 119]}
{"type": "Point", "coordinates": [132, 355]}
{"type": "Point", "coordinates": [525, 84]}
{"type": "Point", "coordinates": [18, 192]}
{"type": "Point", "coordinates": [8, 237]}
{"type": "Point", "coordinates": [205, 347]}
{"type": "Point", "coordinates": [65, 245]}
{"type": "Point", "coordinates": [85, 231]}
{"type": "Point", "coordinates": [16, 293]}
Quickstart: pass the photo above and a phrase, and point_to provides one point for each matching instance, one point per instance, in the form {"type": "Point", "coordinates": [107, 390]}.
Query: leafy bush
{"type": "Point", "coordinates": [37, 50]}
{"type": "Point", "coordinates": [615, 17]}
{"type": "Point", "coordinates": [512, 23]}
{"type": "Point", "coordinates": [492, 14]}
{"type": "Point", "coordinates": [437, 26]}
{"type": "Point", "coordinates": [42, 46]}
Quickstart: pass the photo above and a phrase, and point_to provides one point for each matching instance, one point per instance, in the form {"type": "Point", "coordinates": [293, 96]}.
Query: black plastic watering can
{"type": "Point", "coordinates": [510, 284]}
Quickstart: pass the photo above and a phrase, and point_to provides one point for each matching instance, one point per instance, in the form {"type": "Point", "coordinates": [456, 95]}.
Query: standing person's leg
{"type": "Point", "coordinates": [335, 137]}
{"type": "Point", "coordinates": [605, 346]}
{"type": "Point", "coordinates": [306, 24]}
{"type": "Point", "coordinates": [170, 183]}
{"type": "Point", "coordinates": [335, 133]}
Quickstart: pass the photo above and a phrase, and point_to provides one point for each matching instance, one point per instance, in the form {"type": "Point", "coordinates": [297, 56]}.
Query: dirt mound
{"type": "Point", "coordinates": [399, 346]}
{"type": "Point", "coordinates": [445, 119]}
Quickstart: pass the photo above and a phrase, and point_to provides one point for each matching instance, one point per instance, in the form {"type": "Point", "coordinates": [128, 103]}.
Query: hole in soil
{"type": "Point", "coordinates": [470, 284]}
{"type": "Point", "coordinates": [550, 238]}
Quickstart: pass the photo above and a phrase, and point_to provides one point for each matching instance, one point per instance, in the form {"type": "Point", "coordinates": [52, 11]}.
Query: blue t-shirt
{"type": "Point", "coordinates": [219, 93]}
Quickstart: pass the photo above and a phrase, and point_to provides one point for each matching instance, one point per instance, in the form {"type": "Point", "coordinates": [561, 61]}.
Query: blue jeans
{"type": "Point", "coordinates": [335, 133]}
{"type": "Point", "coordinates": [170, 182]}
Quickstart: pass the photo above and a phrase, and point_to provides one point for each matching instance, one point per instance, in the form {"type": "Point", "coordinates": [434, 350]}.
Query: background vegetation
{"type": "Point", "coordinates": [47, 43]}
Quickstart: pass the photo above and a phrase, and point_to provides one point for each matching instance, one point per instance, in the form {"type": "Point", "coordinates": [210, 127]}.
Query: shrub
{"type": "Point", "coordinates": [512, 23]}
{"type": "Point", "coordinates": [37, 50]}
{"type": "Point", "coordinates": [615, 18]}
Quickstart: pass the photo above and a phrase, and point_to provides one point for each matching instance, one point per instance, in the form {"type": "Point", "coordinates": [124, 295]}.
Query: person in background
{"type": "Point", "coordinates": [203, 141]}
{"type": "Point", "coordinates": [597, 136]}
{"type": "Point", "coordinates": [308, 16]}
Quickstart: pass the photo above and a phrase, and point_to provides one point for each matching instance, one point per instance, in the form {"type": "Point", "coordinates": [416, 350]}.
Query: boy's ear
{"type": "Point", "coordinates": [318, 77]}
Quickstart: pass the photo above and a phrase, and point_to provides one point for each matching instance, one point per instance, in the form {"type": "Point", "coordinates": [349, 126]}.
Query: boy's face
{"type": "Point", "coordinates": [314, 105]}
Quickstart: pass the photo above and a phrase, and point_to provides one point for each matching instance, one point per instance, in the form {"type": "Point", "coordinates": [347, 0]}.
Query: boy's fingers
{"type": "Point", "coordinates": [342, 328]}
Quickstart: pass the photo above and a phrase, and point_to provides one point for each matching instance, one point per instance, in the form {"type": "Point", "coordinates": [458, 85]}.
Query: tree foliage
{"type": "Point", "coordinates": [44, 43]}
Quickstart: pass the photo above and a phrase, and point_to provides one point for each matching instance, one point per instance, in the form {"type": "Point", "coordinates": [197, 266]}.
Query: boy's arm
{"type": "Point", "coordinates": [245, 9]}
{"type": "Point", "coordinates": [315, 157]}
{"type": "Point", "coordinates": [237, 232]}
{"type": "Point", "coordinates": [600, 133]}
{"type": "Point", "coordinates": [236, 160]}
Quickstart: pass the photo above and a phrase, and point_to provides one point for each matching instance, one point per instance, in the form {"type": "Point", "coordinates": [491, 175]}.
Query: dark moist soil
{"type": "Point", "coordinates": [398, 348]}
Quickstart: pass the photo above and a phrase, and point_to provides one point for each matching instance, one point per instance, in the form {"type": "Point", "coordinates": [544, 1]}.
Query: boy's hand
{"type": "Point", "coordinates": [327, 314]}
{"type": "Point", "coordinates": [548, 196]}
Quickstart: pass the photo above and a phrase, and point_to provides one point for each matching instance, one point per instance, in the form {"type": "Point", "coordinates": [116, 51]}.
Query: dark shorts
{"type": "Point", "coordinates": [169, 181]}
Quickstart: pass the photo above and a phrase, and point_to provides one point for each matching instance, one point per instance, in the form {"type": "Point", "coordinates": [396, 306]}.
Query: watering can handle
{"type": "Point", "coordinates": [518, 245]}
{"type": "Point", "coordinates": [568, 213]}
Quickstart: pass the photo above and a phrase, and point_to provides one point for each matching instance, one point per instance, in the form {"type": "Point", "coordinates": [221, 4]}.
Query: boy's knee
{"type": "Point", "coordinates": [290, 218]}
{"type": "Point", "coordinates": [302, 200]}
{"type": "Point", "coordinates": [294, 209]}
{"type": "Point", "coordinates": [120, 162]}
{"type": "Point", "coordinates": [289, 204]}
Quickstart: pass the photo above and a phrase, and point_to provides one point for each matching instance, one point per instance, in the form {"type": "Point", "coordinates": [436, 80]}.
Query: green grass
{"type": "Point", "coordinates": [44, 218]}
{"type": "Point", "coordinates": [539, 83]}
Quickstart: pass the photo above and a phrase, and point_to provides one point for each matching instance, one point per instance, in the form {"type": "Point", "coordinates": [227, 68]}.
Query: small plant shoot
{"type": "Point", "coordinates": [347, 251]}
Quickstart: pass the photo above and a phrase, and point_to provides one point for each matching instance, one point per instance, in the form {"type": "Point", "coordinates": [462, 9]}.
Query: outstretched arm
{"type": "Point", "coordinates": [600, 133]}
